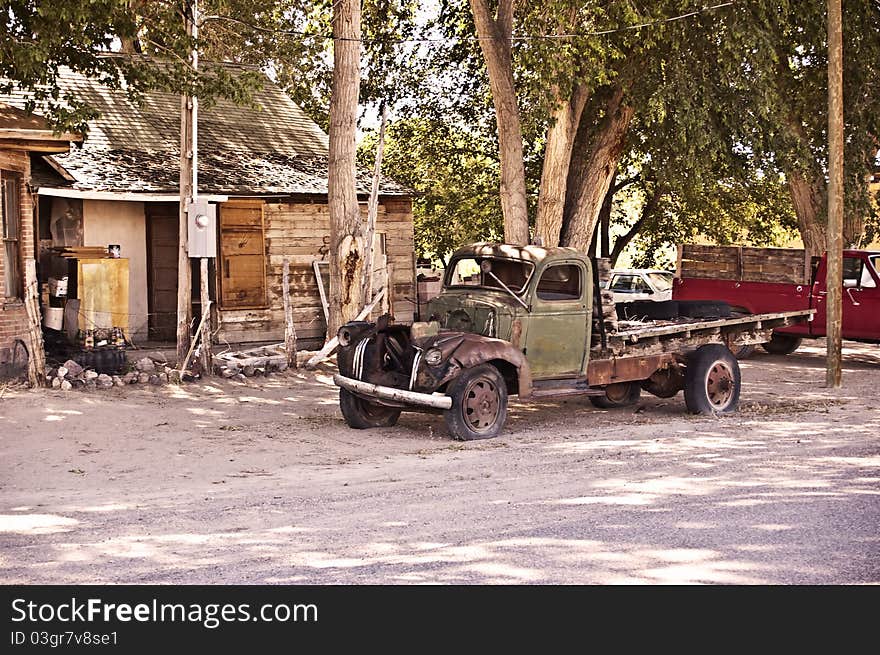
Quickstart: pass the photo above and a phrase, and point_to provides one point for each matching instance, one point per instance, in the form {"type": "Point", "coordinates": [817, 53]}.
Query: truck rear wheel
{"type": "Point", "coordinates": [479, 404]}
{"type": "Point", "coordinates": [620, 394]}
{"type": "Point", "coordinates": [362, 414]}
{"type": "Point", "coordinates": [712, 380]}
{"type": "Point", "coordinates": [781, 344]}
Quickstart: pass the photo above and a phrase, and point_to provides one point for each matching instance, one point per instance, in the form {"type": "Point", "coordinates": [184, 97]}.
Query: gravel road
{"type": "Point", "coordinates": [262, 482]}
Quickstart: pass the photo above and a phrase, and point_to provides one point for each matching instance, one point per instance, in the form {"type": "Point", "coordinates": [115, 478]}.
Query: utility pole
{"type": "Point", "coordinates": [834, 279]}
{"type": "Point", "coordinates": [184, 282]}
{"type": "Point", "coordinates": [204, 290]}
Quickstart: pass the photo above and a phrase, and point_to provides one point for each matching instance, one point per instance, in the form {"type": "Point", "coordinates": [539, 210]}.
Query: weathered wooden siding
{"type": "Point", "coordinates": [743, 263]}
{"type": "Point", "coordinates": [300, 231]}
{"type": "Point", "coordinates": [14, 322]}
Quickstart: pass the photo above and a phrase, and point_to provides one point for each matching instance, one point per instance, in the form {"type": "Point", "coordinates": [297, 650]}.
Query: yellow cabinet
{"type": "Point", "coordinates": [102, 289]}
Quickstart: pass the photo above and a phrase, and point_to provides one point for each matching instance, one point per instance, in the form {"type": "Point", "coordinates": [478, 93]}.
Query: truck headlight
{"type": "Point", "coordinates": [433, 357]}
{"type": "Point", "coordinates": [344, 336]}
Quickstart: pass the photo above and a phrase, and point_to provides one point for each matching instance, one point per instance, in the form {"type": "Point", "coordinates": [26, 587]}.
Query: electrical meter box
{"type": "Point", "coordinates": [201, 220]}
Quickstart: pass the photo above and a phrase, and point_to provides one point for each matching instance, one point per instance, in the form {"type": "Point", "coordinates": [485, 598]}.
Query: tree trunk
{"type": "Point", "coordinates": [808, 198]}
{"type": "Point", "coordinates": [605, 219]}
{"type": "Point", "coordinates": [557, 158]}
{"type": "Point", "coordinates": [495, 34]}
{"type": "Point", "coordinates": [594, 162]}
{"type": "Point", "coordinates": [346, 238]}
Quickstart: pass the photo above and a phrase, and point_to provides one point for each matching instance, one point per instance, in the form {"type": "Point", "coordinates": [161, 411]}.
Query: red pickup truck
{"type": "Point", "coordinates": [760, 280]}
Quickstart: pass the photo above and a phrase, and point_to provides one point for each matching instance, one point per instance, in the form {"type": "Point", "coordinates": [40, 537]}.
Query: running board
{"type": "Point", "coordinates": [569, 391]}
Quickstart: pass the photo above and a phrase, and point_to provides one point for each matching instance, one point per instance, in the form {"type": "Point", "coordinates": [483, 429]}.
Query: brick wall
{"type": "Point", "coordinates": [13, 315]}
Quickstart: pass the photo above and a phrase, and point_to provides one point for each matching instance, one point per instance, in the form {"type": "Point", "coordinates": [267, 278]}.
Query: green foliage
{"type": "Point", "coordinates": [755, 211]}
{"type": "Point", "coordinates": [455, 175]}
{"type": "Point", "coordinates": [37, 39]}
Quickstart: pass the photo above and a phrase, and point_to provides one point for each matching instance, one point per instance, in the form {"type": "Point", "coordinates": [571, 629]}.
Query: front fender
{"type": "Point", "coordinates": [464, 350]}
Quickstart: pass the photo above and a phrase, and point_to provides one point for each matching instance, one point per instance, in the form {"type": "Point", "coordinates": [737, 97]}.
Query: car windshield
{"type": "Point", "coordinates": [661, 281]}
{"type": "Point", "coordinates": [466, 272]}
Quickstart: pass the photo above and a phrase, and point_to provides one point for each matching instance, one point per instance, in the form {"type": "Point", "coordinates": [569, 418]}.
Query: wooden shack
{"type": "Point", "coordinates": [264, 167]}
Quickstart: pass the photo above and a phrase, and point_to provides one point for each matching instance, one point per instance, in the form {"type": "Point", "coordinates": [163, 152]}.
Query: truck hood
{"type": "Point", "coordinates": [476, 312]}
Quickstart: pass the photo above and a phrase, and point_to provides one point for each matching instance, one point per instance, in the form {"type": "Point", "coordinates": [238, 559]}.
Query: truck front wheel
{"type": "Point", "coordinates": [620, 394]}
{"type": "Point", "coordinates": [712, 380]}
{"type": "Point", "coordinates": [479, 404]}
{"type": "Point", "coordinates": [781, 344]}
{"type": "Point", "coordinates": [361, 414]}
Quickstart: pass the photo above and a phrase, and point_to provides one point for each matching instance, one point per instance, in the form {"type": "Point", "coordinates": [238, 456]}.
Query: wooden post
{"type": "Point", "coordinates": [834, 278]}
{"type": "Point", "coordinates": [289, 327]}
{"type": "Point", "coordinates": [184, 281]}
{"type": "Point", "coordinates": [37, 358]}
{"type": "Point", "coordinates": [373, 210]}
{"type": "Point", "coordinates": [389, 286]}
{"type": "Point", "coordinates": [385, 301]}
{"type": "Point", "coordinates": [207, 332]}
{"type": "Point", "coordinates": [185, 361]}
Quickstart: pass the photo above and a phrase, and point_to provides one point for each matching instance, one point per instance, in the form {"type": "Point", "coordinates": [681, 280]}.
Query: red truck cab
{"type": "Point", "coordinates": [766, 280]}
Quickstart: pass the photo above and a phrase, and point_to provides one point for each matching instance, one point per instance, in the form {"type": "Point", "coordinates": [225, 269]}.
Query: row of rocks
{"type": "Point", "coordinates": [146, 370]}
{"type": "Point", "coordinates": [72, 375]}
{"type": "Point", "coordinates": [242, 373]}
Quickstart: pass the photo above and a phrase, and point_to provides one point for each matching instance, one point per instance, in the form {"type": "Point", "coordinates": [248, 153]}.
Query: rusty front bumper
{"type": "Point", "coordinates": [361, 388]}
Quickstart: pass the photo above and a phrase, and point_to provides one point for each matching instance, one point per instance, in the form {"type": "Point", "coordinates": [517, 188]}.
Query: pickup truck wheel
{"type": "Point", "coordinates": [781, 344]}
{"type": "Point", "coordinates": [712, 380]}
{"type": "Point", "coordinates": [479, 404]}
{"type": "Point", "coordinates": [620, 394]}
{"type": "Point", "coordinates": [362, 414]}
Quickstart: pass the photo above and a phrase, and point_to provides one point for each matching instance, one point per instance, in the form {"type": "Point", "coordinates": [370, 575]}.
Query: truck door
{"type": "Point", "coordinates": [861, 299]}
{"type": "Point", "coordinates": [556, 339]}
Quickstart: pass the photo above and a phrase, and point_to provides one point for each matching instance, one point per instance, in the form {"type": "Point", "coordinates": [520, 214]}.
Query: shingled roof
{"type": "Point", "coordinates": [269, 148]}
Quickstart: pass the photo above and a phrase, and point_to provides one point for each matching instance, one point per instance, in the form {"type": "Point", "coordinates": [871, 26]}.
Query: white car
{"type": "Point", "coordinates": [640, 284]}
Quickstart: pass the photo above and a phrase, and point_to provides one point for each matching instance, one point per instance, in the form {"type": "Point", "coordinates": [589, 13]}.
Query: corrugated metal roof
{"type": "Point", "coordinates": [270, 147]}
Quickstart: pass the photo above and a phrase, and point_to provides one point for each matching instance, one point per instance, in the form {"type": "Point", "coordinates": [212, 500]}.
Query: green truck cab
{"type": "Point", "coordinates": [528, 321]}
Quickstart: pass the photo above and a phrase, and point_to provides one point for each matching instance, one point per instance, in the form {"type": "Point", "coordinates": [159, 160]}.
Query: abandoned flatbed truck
{"type": "Point", "coordinates": [521, 320]}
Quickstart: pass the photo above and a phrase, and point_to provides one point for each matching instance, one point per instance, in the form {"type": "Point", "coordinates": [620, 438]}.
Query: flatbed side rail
{"type": "Point", "coordinates": [651, 339]}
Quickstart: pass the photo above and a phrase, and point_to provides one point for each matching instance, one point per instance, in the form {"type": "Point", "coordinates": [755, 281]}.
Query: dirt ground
{"type": "Point", "coordinates": [262, 482]}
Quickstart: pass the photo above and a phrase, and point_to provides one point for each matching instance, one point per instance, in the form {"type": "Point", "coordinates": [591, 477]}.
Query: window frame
{"type": "Point", "coordinates": [567, 297]}
{"type": "Point", "coordinates": [13, 275]}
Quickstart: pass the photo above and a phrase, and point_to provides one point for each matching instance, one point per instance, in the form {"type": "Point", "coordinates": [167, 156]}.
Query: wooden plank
{"type": "Point", "coordinates": [319, 277]}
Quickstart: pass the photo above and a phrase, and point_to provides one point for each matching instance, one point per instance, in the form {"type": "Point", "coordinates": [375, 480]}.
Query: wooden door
{"type": "Point", "coordinates": [242, 255]}
{"type": "Point", "coordinates": [162, 245]}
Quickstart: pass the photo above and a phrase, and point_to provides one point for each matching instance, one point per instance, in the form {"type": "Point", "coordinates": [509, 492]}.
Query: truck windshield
{"type": "Point", "coordinates": [465, 272]}
{"type": "Point", "coordinates": [661, 281]}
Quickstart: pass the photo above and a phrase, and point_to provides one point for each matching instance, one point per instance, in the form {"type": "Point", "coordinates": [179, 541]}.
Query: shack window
{"type": "Point", "coordinates": [561, 282]}
{"type": "Point", "coordinates": [11, 199]}
{"type": "Point", "coordinates": [242, 255]}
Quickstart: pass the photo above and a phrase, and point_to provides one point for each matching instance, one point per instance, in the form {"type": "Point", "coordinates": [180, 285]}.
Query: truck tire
{"type": "Point", "coordinates": [781, 344]}
{"type": "Point", "coordinates": [743, 352]}
{"type": "Point", "coordinates": [479, 404]}
{"type": "Point", "coordinates": [712, 380]}
{"type": "Point", "coordinates": [361, 414]}
{"type": "Point", "coordinates": [620, 394]}
{"type": "Point", "coordinates": [665, 383]}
